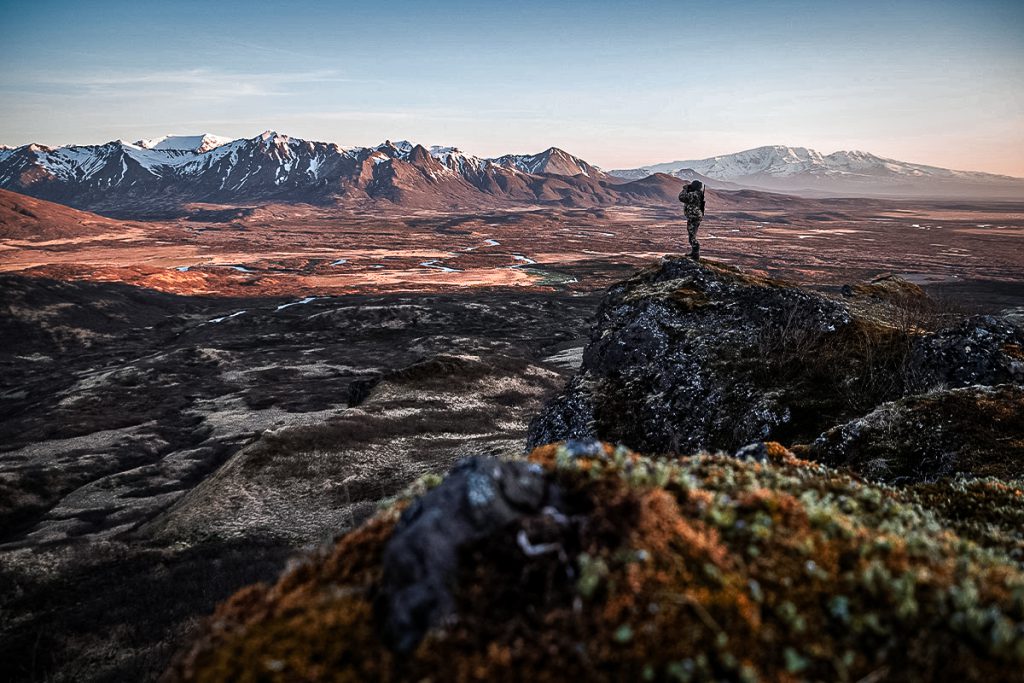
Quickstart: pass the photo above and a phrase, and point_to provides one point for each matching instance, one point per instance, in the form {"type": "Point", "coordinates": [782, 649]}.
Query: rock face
{"type": "Point", "coordinates": [687, 356]}
{"type": "Point", "coordinates": [702, 568]}
{"type": "Point", "coordinates": [979, 350]}
{"type": "Point", "coordinates": [975, 430]}
{"type": "Point", "coordinates": [479, 497]}
{"type": "Point", "coordinates": [676, 361]}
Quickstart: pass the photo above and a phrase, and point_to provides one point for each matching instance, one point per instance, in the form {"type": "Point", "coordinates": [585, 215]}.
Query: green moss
{"type": "Point", "coordinates": [699, 568]}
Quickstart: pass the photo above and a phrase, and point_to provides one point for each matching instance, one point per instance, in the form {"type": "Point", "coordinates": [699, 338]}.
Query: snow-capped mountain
{"type": "Point", "coordinates": [161, 174]}
{"type": "Point", "coordinates": [551, 160]}
{"type": "Point", "coordinates": [800, 170]}
{"type": "Point", "coordinates": [188, 143]}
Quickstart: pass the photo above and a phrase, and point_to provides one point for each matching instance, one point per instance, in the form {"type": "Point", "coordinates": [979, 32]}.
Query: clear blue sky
{"type": "Point", "coordinates": [619, 83]}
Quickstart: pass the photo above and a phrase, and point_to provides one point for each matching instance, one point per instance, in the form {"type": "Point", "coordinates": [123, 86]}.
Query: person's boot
{"type": "Point", "coordinates": [695, 253]}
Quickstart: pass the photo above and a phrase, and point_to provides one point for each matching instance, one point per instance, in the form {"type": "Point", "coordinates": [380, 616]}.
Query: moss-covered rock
{"type": "Point", "coordinates": [765, 567]}
{"type": "Point", "coordinates": [975, 431]}
{"type": "Point", "coordinates": [687, 356]}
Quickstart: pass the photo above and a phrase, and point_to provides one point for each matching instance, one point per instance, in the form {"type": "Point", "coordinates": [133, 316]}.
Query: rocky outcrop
{"type": "Point", "coordinates": [977, 431]}
{"type": "Point", "coordinates": [592, 562]}
{"type": "Point", "coordinates": [701, 568]}
{"type": "Point", "coordinates": [980, 350]}
{"type": "Point", "coordinates": [479, 498]}
{"type": "Point", "coordinates": [687, 356]}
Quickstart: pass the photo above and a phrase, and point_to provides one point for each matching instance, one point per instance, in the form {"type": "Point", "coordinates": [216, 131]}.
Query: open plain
{"type": "Point", "coordinates": [186, 401]}
{"type": "Point", "coordinates": [309, 250]}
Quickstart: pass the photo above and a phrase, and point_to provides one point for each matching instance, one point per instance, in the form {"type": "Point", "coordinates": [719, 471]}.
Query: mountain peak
{"type": "Point", "coordinates": [203, 142]}
{"type": "Point", "coordinates": [272, 137]}
{"type": "Point", "coordinates": [553, 160]}
{"type": "Point", "coordinates": [856, 173]}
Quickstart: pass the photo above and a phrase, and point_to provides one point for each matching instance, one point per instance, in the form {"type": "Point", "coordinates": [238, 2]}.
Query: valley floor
{"type": "Point", "coordinates": [299, 250]}
{"type": "Point", "coordinates": [159, 451]}
{"type": "Point", "coordinates": [186, 403]}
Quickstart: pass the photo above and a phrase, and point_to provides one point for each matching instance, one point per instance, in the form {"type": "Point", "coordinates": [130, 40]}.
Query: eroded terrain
{"type": "Point", "coordinates": [153, 442]}
{"type": "Point", "coordinates": [186, 402]}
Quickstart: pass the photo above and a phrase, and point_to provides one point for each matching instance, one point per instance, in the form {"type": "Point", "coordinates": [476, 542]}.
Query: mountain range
{"type": "Point", "coordinates": [123, 178]}
{"type": "Point", "coordinates": [802, 171]}
{"type": "Point", "coordinates": [161, 175]}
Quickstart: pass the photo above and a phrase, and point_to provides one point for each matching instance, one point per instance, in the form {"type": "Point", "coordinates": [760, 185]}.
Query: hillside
{"type": "Point", "coordinates": [27, 218]}
{"type": "Point", "coordinates": [589, 561]}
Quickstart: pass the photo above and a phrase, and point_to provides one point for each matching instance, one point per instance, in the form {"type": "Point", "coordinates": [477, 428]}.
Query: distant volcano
{"type": "Point", "coordinates": [798, 170]}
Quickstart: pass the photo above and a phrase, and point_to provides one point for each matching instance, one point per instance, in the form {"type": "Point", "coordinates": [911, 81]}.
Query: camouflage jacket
{"type": "Point", "coordinates": [693, 202]}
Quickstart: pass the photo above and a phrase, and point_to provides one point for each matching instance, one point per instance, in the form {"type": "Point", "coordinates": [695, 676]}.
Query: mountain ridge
{"type": "Point", "coordinates": [801, 170]}
{"type": "Point", "coordinates": [167, 172]}
{"type": "Point", "coordinates": [160, 175]}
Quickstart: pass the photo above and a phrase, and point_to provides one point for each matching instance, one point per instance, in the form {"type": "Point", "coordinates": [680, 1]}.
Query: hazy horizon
{"type": "Point", "coordinates": [622, 86]}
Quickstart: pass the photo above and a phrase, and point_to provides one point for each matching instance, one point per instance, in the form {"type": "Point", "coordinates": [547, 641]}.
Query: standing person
{"type": "Point", "coordinates": [692, 198]}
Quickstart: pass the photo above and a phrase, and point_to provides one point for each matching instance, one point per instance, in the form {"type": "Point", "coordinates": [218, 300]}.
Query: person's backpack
{"type": "Point", "coordinates": [694, 186]}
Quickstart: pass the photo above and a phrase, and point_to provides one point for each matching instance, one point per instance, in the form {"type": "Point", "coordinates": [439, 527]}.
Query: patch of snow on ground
{"type": "Point", "coordinates": [434, 264]}
{"type": "Point", "coordinates": [298, 303]}
{"type": "Point", "coordinates": [226, 317]}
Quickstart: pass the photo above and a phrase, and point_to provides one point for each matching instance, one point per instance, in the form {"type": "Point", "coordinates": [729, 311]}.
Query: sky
{"type": "Point", "coordinates": [619, 83]}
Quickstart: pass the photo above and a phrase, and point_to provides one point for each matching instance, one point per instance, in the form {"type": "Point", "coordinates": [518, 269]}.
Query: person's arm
{"type": "Point", "coordinates": [702, 201]}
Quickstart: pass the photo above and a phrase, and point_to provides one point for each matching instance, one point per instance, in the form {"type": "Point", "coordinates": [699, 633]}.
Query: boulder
{"type": "Point", "coordinates": [479, 497]}
{"type": "Point", "coordinates": [979, 350]}
{"type": "Point", "coordinates": [703, 568]}
{"type": "Point", "coordinates": [686, 356]}
{"type": "Point", "coordinates": [972, 431]}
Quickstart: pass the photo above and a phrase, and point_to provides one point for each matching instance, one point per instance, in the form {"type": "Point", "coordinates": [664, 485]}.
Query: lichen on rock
{"type": "Point", "coordinates": [687, 356]}
{"type": "Point", "coordinates": [766, 567]}
{"type": "Point", "coordinates": [972, 431]}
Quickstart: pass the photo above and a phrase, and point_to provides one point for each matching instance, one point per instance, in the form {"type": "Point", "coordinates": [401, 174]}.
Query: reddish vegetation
{"type": "Point", "coordinates": [302, 250]}
{"type": "Point", "coordinates": [704, 568]}
{"type": "Point", "coordinates": [27, 218]}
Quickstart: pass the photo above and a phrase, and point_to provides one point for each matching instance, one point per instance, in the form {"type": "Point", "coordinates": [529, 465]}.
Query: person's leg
{"type": "Point", "coordinates": [692, 223]}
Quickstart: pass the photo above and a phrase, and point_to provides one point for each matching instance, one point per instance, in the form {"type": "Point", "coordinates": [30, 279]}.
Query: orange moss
{"type": "Point", "coordinates": [702, 568]}
{"type": "Point", "coordinates": [1014, 351]}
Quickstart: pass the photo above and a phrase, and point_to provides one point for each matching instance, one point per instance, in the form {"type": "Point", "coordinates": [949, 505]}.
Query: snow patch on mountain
{"type": "Point", "coordinates": [551, 160]}
{"type": "Point", "coordinates": [778, 161]}
{"type": "Point", "coordinates": [189, 143]}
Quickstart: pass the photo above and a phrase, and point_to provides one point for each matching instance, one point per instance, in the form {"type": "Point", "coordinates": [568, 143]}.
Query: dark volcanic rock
{"type": "Point", "coordinates": [688, 356]}
{"type": "Point", "coordinates": [479, 497]}
{"type": "Point", "coordinates": [974, 430]}
{"type": "Point", "coordinates": [675, 361]}
{"type": "Point", "coordinates": [979, 350]}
